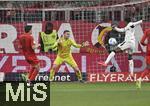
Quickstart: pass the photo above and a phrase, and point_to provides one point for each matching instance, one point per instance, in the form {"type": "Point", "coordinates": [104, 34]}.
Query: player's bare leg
{"type": "Point", "coordinates": [30, 72]}
{"type": "Point", "coordinates": [78, 74]}
{"type": "Point", "coordinates": [111, 55]}
{"type": "Point", "coordinates": [52, 71]}
{"type": "Point", "coordinates": [131, 65]}
{"type": "Point", "coordinates": [146, 72]}
{"type": "Point", "coordinates": [33, 73]}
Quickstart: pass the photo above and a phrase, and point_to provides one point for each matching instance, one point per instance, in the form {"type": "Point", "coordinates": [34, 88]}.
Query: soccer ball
{"type": "Point", "coordinates": [112, 41]}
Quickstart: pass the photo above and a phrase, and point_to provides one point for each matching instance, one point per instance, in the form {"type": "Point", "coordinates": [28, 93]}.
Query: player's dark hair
{"type": "Point", "coordinates": [127, 20]}
{"type": "Point", "coordinates": [27, 28]}
{"type": "Point", "coordinates": [48, 28]}
{"type": "Point", "coordinates": [66, 31]}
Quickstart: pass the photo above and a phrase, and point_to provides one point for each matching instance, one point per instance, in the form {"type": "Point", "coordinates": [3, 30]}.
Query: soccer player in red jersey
{"type": "Point", "coordinates": [145, 37]}
{"type": "Point", "coordinates": [28, 45]}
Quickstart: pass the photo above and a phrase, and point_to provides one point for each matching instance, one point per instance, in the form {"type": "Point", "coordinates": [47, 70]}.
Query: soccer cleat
{"type": "Point", "coordinates": [132, 76]}
{"type": "Point", "coordinates": [29, 83]}
{"type": "Point", "coordinates": [82, 81]}
{"type": "Point", "coordinates": [51, 79]}
{"type": "Point", "coordinates": [24, 77]}
{"type": "Point", "coordinates": [102, 63]}
{"type": "Point", "coordinates": [138, 83]}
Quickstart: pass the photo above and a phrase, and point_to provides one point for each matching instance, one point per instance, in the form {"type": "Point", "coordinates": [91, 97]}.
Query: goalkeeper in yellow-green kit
{"type": "Point", "coordinates": [64, 44]}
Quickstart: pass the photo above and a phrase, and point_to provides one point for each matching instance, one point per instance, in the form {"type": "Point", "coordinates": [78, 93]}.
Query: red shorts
{"type": "Point", "coordinates": [147, 59]}
{"type": "Point", "coordinates": [33, 60]}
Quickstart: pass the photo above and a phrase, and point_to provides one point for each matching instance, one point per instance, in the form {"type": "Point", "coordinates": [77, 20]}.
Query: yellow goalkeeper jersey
{"type": "Point", "coordinates": [64, 47]}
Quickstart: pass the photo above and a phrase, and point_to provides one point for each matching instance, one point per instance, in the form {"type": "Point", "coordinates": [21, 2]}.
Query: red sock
{"type": "Point", "coordinates": [34, 74]}
{"type": "Point", "coordinates": [30, 73]}
{"type": "Point", "coordinates": [146, 72]}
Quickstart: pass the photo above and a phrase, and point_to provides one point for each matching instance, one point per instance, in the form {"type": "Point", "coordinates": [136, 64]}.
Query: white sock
{"type": "Point", "coordinates": [140, 79]}
{"type": "Point", "coordinates": [111, 55]}
{"type": "Point", "coordinates": [131, 66]}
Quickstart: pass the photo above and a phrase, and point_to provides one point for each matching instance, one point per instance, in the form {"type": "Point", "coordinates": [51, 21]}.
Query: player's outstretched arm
{"type": "Point", "coordinates": [119, 29]}
{"type": "Point", "coordinates": [114, 26]}
{"type": "Point", "coordinates": [75, 44]}
{"type": "Point", "coordinates": [86, 43]}
{"type": "Point", "coordinates": [137, 23]}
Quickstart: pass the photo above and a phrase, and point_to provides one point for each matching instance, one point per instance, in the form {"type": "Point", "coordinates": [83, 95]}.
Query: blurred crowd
{"type": "Point", "coordinates": [32, 11]}
{"type": "Point", "coordinates": [48, 4]}
{"type": "Point", "coordinates": [61, 3]}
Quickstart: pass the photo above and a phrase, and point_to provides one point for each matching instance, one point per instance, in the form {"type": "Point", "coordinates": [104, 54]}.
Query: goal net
{"type": "Point", "coordinates": [87, 20]}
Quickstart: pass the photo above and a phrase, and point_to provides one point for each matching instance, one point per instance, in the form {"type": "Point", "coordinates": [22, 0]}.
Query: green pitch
{"type": "Point", "coordinates": [99, 94]}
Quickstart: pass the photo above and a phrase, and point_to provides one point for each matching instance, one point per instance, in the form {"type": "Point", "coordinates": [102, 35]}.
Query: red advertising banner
{"type": "Point", "coordinates": [86, 62]}
{"type": "Point", "coordinates": [115, 77]}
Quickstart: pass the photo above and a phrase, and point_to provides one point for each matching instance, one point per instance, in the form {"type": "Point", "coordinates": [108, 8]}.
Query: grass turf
{"type": "Point", "coordinates": [99, 94]}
